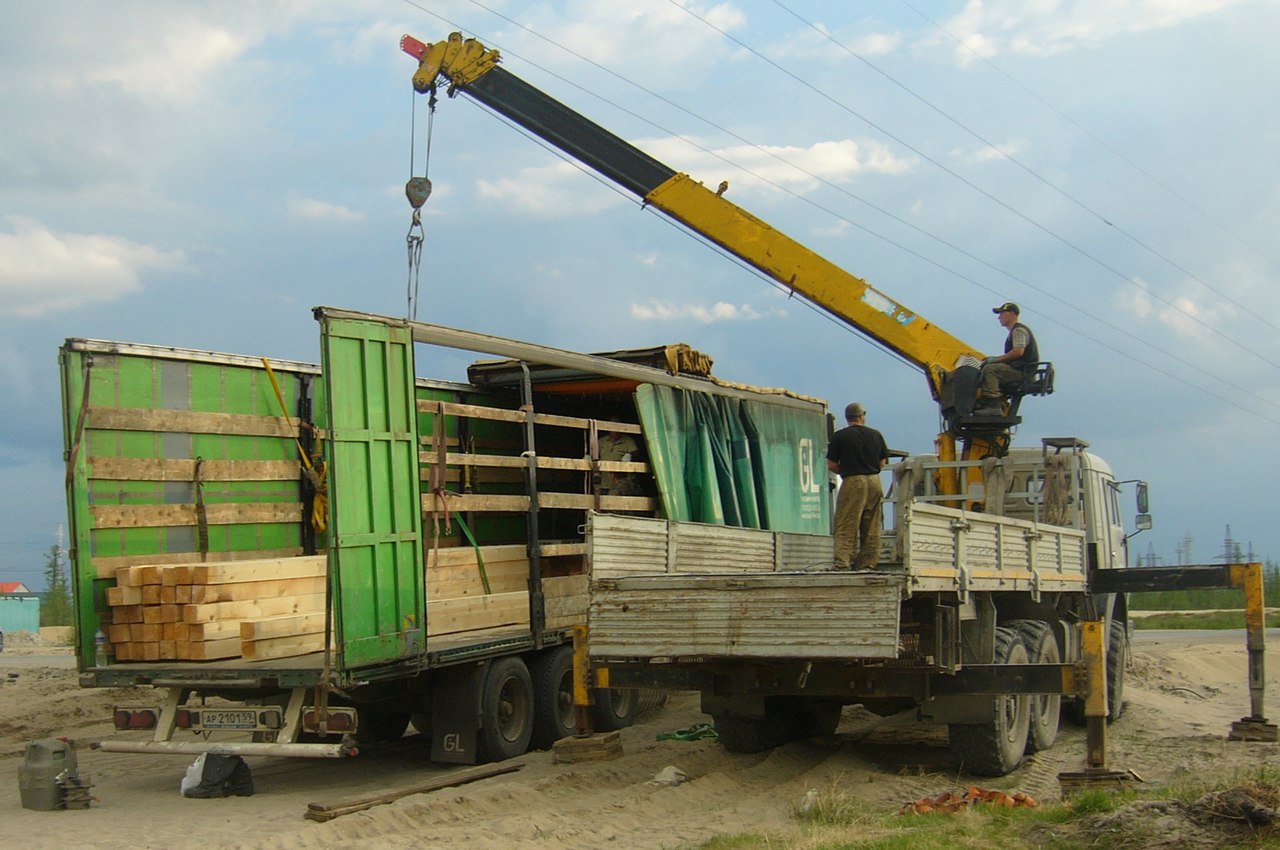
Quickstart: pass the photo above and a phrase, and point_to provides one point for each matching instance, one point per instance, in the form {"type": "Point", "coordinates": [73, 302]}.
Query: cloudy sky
{"type": "Point", "coordinates": [200, 174]}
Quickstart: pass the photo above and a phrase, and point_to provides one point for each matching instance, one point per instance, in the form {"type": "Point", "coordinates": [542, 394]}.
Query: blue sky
{"type": "Point", "coordinates": [200, 174]}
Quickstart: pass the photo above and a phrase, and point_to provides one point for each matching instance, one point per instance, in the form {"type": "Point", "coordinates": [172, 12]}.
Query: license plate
{"type": "Point", "coordinates": [228, 719]}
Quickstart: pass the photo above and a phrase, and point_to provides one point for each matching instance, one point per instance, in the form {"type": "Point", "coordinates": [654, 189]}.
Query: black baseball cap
{"type": "Point", "coordinates": [1008, 305]}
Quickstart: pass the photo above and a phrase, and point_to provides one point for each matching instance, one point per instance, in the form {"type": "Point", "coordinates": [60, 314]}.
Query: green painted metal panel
{"type": "Point", "coordinates": [375, 509]}
{"type": "Point", "coordinates": [146, 383]}
{"type": "Point", "coordinates": [736, 461]}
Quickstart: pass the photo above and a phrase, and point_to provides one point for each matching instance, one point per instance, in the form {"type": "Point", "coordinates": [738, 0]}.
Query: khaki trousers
{"type": "Point", "coordinates": [858, 521]}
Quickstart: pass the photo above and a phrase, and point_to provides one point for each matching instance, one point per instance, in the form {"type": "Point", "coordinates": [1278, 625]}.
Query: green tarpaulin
{"type": "Point", "coordinates": [733, 461]}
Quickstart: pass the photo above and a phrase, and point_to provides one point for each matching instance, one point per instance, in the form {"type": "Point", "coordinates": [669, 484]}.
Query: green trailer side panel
{"type": "Point", "coordinates": [116, 398]}
{"type": "Point", "coordinates": [375, 519]}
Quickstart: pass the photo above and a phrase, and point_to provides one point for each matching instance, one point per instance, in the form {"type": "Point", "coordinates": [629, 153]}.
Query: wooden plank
{"type": "Point", "coordinates": [520, 504]}
{"type": "Point", "coordinates": [176, 575]}
{"type": "Point", "coordinates": [467, 555]}
{"type": "Point", "coordinates": [565, 601]}
{"type": "Point", "coordinates": [217, 630]}
{"type": "Point", "coordinates": [188, 422]}
{"type": "Point", "coordinates": [151, 594]}
{"type": "Point", "coordinates": [225, 572]}
{"type": "Point", "coordinates": [282, 647]}
{"type": "Point", "coordinates": [329, 811]}
{"type": "Point", "coordinates": [168, 650]}
{"type": "Point", "coordinates": [118, 633]}
{"type": "Point", "coordinates": [222, 513]}
{"type": "Point", "coordinates": [167, 469]}
{"type": "Point", "coordinates": [447, 616]}
{"type": "Point", "coordinates": [257, 590]}
{"type": "Point", "coordinates": [498, 414]}
{"type": "Point", "coordinates": [251, 610]}
{"type": "Point", "coordinates": [276, 627]}
{"type": "Point", "coordinates": [146, 632]}
{"type": "Point", "coordinates": [161, 613]}
{"type": "Point", "coordinates": [208, 650]}
{"type": "Point", "coordinates": [105, 567]}
{"type": "Point", "coordinates": [126, 614]}
{"type": "Point", "coordinates": [124, 596]}
{"type": "Point", "coordinates": [464, 579]}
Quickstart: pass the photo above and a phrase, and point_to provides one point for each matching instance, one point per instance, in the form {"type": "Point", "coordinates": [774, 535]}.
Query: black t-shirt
{"type": "Point", "coordinates": [858, 449]}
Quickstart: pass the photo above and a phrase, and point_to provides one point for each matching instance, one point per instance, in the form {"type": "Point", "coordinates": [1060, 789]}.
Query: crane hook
{"type": "Point", "coordinates": [417, 190]}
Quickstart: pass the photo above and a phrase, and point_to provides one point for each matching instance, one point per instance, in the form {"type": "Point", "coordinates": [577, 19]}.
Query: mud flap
{"type": "Point", "coordinates": [455, 715]}
{"type": "Point", "coordinates": [959, 709]}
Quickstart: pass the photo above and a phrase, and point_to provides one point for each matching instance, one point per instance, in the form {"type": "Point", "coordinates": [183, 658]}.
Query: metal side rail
{"type": "Point", "coordinates": [1247, 577]}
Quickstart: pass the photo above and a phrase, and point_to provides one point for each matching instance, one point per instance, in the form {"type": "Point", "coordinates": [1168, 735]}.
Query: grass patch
{"type": "Point", "coordinates": [1237, 812]}
{"type": "Point", "coordinates": [1200, 620]}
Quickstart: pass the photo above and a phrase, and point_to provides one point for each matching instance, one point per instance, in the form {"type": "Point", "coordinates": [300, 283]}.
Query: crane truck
{"type": "Point", "coordinates": [1005, 569]}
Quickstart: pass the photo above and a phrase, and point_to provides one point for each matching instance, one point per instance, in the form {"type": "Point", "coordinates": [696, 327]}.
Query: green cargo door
{"type": "Point", "coordinates": [375, 515]}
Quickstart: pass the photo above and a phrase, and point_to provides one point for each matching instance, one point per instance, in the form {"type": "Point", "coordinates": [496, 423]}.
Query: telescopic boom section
{"type": "Point", "coordinates": [469, 67]}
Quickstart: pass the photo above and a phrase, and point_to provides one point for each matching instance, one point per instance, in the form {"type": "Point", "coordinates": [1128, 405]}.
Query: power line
{"type": "Point", "coordinates": [967, 182]}
{"type": "Point", "coordinates": [1101, 142]}
{"type": "Point", "coordinates": [912, 252]}
{"type": "Point", "coordinates": [1041, 179]}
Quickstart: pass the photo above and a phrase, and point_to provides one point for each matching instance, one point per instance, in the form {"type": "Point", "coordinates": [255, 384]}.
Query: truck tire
{"type": "Point", "coordinates": [552, 674]}
{"type": "Point", "coordinates": [996, 747]}
{"type": "Point", "coordinates": [1046, 709]}
{"type": "Point", "coordinates": [1117, 660]}
{"type": "Point", "coordinates": [614, 708]}
{"type": "Point", "coordinates": [506, 710]}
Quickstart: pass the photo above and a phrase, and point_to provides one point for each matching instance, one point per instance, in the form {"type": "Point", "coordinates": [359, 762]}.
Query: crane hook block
{"type": "Point", "coordinates": [417, 190]}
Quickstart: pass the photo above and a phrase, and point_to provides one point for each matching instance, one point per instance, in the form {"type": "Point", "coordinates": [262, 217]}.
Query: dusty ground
{"type": "Point", "coordinates": [1184, 691]}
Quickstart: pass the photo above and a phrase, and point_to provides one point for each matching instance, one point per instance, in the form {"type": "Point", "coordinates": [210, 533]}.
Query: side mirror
{"type": "Point", "coordinates": [1142, 522]}
{"type": "Point", "coordinates": [1143, 504]}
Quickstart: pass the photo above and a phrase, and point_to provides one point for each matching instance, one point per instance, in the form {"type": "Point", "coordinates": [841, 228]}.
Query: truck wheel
{"type": "Point", "coordinates": [380, 725]}
{"type": "Point", "coordinates": [1117, 660]}
{"type": "Point", "coordinates": [1046, 709]}
{"type": "Point", "coordinates": [614, 709]}
{"type": "Point", "coordinates": [506, 710]}
{"type": "Point", "coordinates": [996, 747]}
{"type": "Point", "coordinates": [552, 674]}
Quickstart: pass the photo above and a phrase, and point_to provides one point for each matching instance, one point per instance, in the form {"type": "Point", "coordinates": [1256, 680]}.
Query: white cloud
{"type": "Point", "coordinates": [987, 153]}
{"type": "Point", "coordinates": [991, 27]}
{"type": "Point", "coordinates": [1186, 316]}
{"type": "Point", "coordinates": [43, 271]}
{"type": "Point", "coordinates": [792, 167]}
{"type": "Point", "coordinates": [721, 311]}
{"type": "Point", "coordinates": [548, 191]}
{"type": "Point", "coordinates": [315, 209]}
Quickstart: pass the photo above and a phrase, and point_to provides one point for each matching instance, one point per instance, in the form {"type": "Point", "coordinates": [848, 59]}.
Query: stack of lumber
{"type": "Point", "coordinates": [269, 608]}
{"type": "Point", "coordinates": [457, 601]}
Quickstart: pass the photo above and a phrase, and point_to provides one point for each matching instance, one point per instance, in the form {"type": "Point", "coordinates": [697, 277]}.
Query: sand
{"type": "Point", "coordinates": [1183, 693]}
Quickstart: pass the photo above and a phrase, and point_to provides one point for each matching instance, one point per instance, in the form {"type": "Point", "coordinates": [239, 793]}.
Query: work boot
{"type": "Point", "coordinates": [240, 783]}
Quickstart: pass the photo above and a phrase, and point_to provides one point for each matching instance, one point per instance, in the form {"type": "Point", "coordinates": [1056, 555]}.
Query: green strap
{"type": "Point", "coordinates": [695, 732]}
{"type": "Point", "coordinates": [484, 576]}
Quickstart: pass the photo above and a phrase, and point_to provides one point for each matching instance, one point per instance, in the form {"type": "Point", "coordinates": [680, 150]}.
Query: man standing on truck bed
{"type": "Point", "coordinates": [1008, 369]}
{"type": "Point", "coordinates": [857, 453]}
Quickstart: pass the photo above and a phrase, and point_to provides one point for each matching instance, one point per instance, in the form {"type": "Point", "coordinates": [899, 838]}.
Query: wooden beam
{"type": "Point", "coordinates": [167, 469]}
{"type": "Point", "coordinates": [254, 591]}
{"type": "Point", "coordinates": [188, 422]}
{"type": "Point", "coordinates": [221, 513]}
{"type": "Point", "coordinates": [227, 572]}
{"type": "Point", "coordinates": [253, 610]}
{"type": "Point", "coordinates": [276, 627]}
